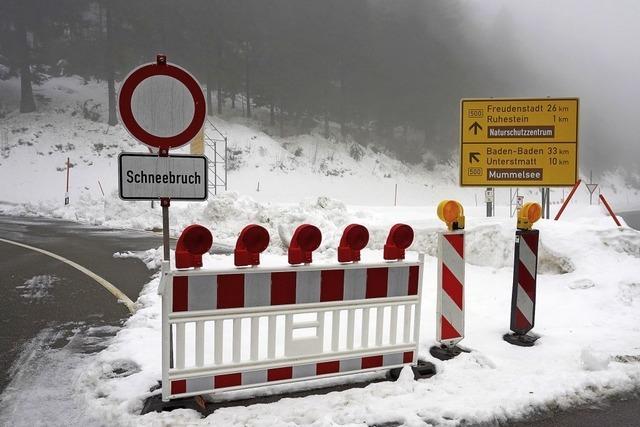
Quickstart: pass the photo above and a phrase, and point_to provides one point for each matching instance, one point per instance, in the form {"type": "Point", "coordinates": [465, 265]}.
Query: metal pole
{"type": "Point", "coordinates": [225, 163]}
{"type": "Point", "coordinates": [548, 202]}
{"type": "Point", "coordinates": [510, 202]}
{"type": "Point", "coordinates": [66, 193]}
{"type": "Point", "coordinates": [567, 200]}
{"type": "Point", "coordinates": [613, 215]}
{"type": "Point", "coordinates": [488, 202]}
{"type": "Point", "coordinates": [395, 196]}
{"type": "Point", "coordinates": [590, 192]}
{"type": "Point", "coordinates": [164, 202]}
{"type": "Point", "coordinates": [215, 167]}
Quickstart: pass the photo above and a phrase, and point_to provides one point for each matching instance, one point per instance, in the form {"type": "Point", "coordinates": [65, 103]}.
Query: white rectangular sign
{"type": "Point", "coordinates": [150, 177]}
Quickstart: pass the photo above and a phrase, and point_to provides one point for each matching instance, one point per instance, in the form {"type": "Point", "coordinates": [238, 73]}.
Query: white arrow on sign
{"type": "Point", "coordinates": [150, 177]}
{"type": "Point", "coordinates": [592, 187]}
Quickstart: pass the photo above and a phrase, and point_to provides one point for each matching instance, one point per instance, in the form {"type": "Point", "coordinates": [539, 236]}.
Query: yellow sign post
{"type": "Point", "coordinates": [197, 143]}
{"type": "Point", "coordinates": [519, 142]}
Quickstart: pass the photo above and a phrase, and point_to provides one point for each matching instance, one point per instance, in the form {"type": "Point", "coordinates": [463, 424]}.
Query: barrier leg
{"type": "Point", "coordinates": [523, 296]}
{"type": "Point", "coordinates": [613, 215]}
{"type": "Point", "coordinates": [450, 295]}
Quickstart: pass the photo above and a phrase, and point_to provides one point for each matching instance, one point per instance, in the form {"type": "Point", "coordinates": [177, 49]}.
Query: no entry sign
{"type": "Point", "coordinates": [162, 105]}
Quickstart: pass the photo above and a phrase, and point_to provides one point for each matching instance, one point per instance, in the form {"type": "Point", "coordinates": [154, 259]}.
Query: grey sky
{"type": "Point", "coordinates": [587, 49]}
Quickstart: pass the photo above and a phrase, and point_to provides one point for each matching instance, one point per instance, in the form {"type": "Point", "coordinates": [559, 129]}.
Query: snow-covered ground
{"type": "Point", "coordinates": [34, 149]}
{"type": "Point", "coordinates": [588, 288]}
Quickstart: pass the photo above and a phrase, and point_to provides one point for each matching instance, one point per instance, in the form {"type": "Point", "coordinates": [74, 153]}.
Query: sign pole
{"type": "Point", "coordinates": [548, 203]}
{"type": "Point", "coordinates": [489, 197]}
{"type": "Point", "coordinates": [395, 196]}
{"type": "Point", "coordinates": [66, 194]}
{"type": "Point", "coordinates": [510, 202]}
{"type": "Point", "coordinates": [165, 202]}
{"type": "Point", "coordinates": [590, 192]}
{"type": "Point", "coordinates": [488, 190]}
{"type": "Point", "coordinates": [183, 177]}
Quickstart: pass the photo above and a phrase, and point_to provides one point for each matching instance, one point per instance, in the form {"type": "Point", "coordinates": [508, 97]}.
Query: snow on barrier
{"type": "Point", "coordinates": [235, 328]}
{"type": "Point", "coordinates": [525, 270]}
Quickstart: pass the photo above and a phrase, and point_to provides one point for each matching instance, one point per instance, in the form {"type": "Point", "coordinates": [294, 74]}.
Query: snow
{"type": "Point", "coordinates": [588, 287]}
{"type": "Point", "coordinates": [287, 169]}
{"type": "Point", "coordinates": [587, 317]}
{"type": "Point", "coordinates": [37, 288]}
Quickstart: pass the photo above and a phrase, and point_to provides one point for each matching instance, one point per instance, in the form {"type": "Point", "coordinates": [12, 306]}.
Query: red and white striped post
{"type": "Point", "coordinates": [525, 270]}
{"type": "Point", "coordinates": [450, 293]}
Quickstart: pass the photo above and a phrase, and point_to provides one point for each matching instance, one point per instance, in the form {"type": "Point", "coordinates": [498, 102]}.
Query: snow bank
{"type": "Point", "coordinates": [587, 316]}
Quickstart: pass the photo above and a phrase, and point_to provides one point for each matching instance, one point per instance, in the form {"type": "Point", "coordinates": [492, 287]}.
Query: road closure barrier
{"type": "Point", "coordinates": [451, 272]}
{"type": "Point", "coordinates": [233, 328]}
{"type": "Point", "coordinates": [525, 270]}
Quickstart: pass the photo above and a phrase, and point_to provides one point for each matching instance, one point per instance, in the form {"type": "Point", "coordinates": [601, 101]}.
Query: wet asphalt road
{"type": "Point", "coordinates": [72, 298]}
{"type": "Point", "coordinates": [632, 219]}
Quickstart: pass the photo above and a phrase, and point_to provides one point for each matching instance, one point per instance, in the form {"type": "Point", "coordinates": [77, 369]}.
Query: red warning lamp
{"type": "Point", "coordinates": [194, 241]}
{"type": "Point", "coordinates": [400, 238]}
{"type": "Point", "coordinates": [305, 240]}
{"type": "Point", "coordinates": [253, 240]}
{"type": "Point", "coordinates": [354, 239]}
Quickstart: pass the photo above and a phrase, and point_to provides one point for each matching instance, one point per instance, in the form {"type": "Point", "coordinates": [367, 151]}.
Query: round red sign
{"type": "Point", "coordinates": [125, 105]}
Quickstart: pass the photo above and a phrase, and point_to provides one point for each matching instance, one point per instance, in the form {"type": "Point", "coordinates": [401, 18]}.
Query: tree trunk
{"type": "Point", "coordinates": [326, 125]}
{"type": "Point", "coordinates": [233, 101]}
{"type": "Point", "coordinates": [343, 130]}
{"type": "Point", "coordinates": [281, 121]}
{"type": "Point", "coordinates": [246, 80]}
{"type": "Point", "coordinates": [272, 114]}
{"type": "Point", "coordinates": [219, 79]}
{"type": "Point", "coordinates": [220, 97]}
{"type": "Point", "coordinates": [111, 88]}
{"type": "Point", "coordinates": [27, 104]}
{"type": "Point", "coordinates": [209, 90]}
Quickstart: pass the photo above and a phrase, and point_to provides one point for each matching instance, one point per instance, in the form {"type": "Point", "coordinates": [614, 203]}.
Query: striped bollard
{"type": "Point", "coordinates": [525, 269]}
{"type": "Point", "coordinates": [450, 294]}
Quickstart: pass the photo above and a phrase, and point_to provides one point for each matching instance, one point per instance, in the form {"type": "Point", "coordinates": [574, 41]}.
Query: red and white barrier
{"type": "Point", "coordinates": [234, 328]}
{"type": "Point", "coordinates": [450, 297]}
{"type": "Point", "coordinates": [523, 296]}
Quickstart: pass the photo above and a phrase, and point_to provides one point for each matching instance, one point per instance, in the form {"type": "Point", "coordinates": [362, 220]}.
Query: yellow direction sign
{"type": "Point", "coordinates": [519, 142]}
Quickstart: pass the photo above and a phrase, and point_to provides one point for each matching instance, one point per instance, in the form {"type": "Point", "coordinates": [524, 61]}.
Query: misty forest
{"type": "Point", "coordinates": [383, 73]}
{"type": "Point", "coordinates": [359, 69]}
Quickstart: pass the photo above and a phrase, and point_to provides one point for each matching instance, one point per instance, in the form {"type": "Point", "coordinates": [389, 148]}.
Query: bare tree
{"type": "Point", "coordinates": [109, 66]}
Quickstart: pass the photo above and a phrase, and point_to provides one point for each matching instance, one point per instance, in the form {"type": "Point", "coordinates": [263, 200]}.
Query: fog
{"type": "Point", "coordinates": [587, 49]}
{"type": "Point", "coordinates": [373, 71]}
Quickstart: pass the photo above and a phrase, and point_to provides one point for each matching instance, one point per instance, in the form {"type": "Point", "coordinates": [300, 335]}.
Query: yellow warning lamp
{"type": "Point", "coordinates": [529, 213]}
{"type": "Point", "coordinates": [452, 213]}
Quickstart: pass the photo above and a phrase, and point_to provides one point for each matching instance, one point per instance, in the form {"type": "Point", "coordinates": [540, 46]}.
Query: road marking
{"type": "Point", "coordinates": [104, 283]}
